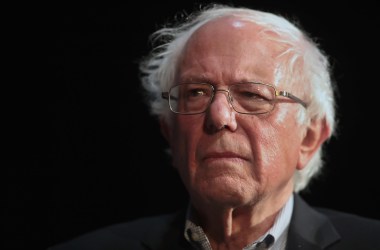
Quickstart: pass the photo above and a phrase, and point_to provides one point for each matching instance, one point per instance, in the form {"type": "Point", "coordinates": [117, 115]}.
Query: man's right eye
{"type": "Point", "coordinates": [196, 93]}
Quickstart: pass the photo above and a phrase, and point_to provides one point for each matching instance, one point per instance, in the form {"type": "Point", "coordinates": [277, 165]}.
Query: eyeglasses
{"type": "Point", "coordinates": [245, 98]}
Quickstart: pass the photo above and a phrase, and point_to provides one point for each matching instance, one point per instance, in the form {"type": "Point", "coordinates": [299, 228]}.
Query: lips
{"type": "Point", "coordinates": [224, 155]}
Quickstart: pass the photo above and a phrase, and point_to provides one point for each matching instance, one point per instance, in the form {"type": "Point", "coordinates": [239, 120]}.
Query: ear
{"type": "Point", "coordinates": [316, 134]}
{"type": "Point", "coordinates": [165, 128]}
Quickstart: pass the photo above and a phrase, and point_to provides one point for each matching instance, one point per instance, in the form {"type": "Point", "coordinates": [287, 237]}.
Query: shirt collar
{"type": "Point", "coordinates": [196, 236]}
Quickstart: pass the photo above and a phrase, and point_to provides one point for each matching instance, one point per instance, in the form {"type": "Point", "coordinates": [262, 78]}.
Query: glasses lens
{"type": "Point", "coordinates": [254, 98]}
{"type": "Point", "coordinates": [190, 98]}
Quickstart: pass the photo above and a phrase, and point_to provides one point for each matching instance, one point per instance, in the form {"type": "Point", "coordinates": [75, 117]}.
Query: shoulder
{"type": "Point", "coordinates": [340, 219]}
{"type": "Point", "coordinates": [351, 222]}
{"type": "Point", "coordinates": [356, 232]}
{"type": "Point", "coordinates": [142, 226]}
{"type": "Point", "coordinates": [128, 235]}
{"type": "Point", "coordinates": [331, 228]}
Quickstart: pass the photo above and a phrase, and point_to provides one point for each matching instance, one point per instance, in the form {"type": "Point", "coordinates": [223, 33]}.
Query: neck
{"type": "Point", "coordinates": [236, 227]}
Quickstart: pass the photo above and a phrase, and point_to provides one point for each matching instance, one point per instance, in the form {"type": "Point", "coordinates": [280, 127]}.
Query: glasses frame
{"type": "Point", "coordinates": [165, 95]}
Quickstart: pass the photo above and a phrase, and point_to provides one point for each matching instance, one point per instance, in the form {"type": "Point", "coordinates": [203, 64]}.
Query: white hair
{"type": "Point", "coordinates": [302, 64]}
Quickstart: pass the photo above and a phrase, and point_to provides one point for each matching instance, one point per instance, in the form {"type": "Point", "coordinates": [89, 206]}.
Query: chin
{"type": "Point", "coordinates": [226, 193]}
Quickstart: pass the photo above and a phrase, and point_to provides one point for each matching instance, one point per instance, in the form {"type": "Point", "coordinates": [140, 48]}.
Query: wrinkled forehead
{"type": "Point", "coordinates": [245, 31]}
{"type": "Point", "coordinates": [237, 38]}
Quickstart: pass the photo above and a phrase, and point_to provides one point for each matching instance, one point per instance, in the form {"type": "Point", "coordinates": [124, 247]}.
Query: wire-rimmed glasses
{"type": "Point", "coordinates": [245, 98]}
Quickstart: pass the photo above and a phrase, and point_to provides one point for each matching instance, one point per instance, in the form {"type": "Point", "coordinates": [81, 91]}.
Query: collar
{"type": "Point", "coordinates": [195, 235]}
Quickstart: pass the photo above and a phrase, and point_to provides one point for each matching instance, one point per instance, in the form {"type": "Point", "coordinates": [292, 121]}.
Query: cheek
{"type": "Point", "coordinates": [266, 147]}
{"type": "Point", "coordinates": [286, 141]}
{"type": "Point", "coordinates": [186, 131]}
{"type": "Point", "coordinates": [275, 146]}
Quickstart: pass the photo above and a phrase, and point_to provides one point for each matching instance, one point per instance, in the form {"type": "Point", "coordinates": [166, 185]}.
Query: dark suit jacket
{"type": "Point", "coordinates": [309, 229]}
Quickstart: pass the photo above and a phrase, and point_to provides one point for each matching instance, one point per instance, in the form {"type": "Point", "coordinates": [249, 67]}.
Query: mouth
{"type": "Point", "coordinates": [224, 156]}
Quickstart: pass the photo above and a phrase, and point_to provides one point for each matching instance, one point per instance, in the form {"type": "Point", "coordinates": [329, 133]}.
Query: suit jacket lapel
{"type": "Point", "coordinates": [309, 229]}
{"type": "Point", "coordinates": [169, 235]}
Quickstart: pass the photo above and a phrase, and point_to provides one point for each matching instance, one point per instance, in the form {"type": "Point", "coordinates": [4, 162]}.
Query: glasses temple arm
{"type": "Point", "coordinates": [165, 95]}
{"type": "Point", "coordinates": [291, 96]}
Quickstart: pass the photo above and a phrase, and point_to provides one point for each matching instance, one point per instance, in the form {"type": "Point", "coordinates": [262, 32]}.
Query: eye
{"type": "Point", "coordinates": [196, 92]}
{"type": "Point", "coordinates": [249, 95]}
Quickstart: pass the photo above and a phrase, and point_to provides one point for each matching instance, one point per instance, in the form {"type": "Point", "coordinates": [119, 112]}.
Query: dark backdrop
{"type": "Point", "coordinates": [92, 154]}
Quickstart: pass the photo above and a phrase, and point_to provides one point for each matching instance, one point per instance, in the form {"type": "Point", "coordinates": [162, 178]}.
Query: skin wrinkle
{"type": "Point", "coordinates": [239, 195]}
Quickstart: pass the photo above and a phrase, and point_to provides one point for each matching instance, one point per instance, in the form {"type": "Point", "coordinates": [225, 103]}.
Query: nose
{"type": "Point", "coordinates": [220, 113]}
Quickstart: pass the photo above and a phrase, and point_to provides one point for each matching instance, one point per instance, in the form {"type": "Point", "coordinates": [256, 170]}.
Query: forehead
{"type": "Point", "coordinates": [232, 29]}
{"type": "Point", "coordinates": [231, 46]}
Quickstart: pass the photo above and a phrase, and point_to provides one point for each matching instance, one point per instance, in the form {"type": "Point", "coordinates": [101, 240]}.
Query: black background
{"type": "Point", "coordinates": [91, 153]}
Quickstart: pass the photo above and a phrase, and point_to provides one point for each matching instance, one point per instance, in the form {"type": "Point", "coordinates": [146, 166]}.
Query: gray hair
{"type": "Point", "coordinates": [303, 63]}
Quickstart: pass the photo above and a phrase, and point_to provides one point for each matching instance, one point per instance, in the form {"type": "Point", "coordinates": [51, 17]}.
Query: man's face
{"type": "Point", "coordinates": [253, 156]}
